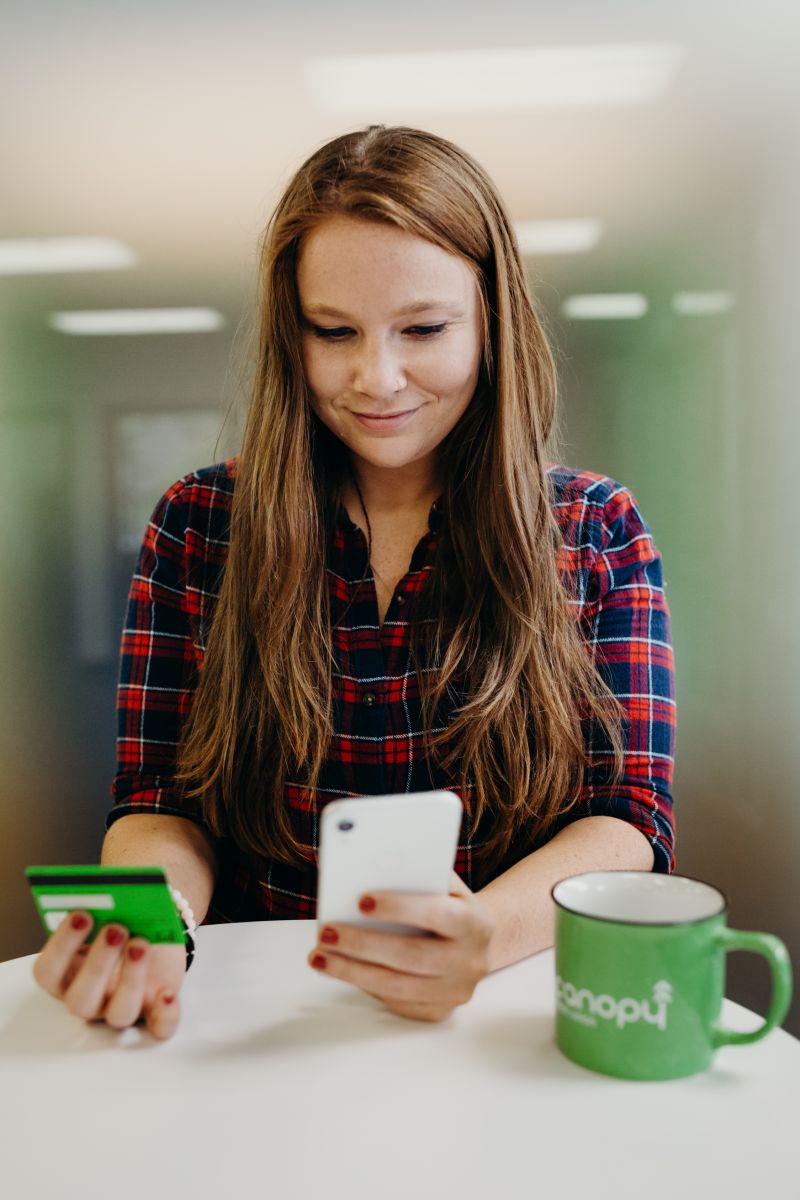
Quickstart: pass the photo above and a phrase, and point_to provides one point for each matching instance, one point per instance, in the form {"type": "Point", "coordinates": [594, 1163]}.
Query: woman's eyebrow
{"type": "Point", "coordinates": [418, 306]}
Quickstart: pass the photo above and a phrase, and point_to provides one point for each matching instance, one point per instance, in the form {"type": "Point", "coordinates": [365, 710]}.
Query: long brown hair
{"type": "Point", "coordinates": [495, 613]}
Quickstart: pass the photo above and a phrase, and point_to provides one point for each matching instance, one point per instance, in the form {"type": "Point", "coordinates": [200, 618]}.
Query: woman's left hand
{"type": "Point", "coordinates": [422, 977]}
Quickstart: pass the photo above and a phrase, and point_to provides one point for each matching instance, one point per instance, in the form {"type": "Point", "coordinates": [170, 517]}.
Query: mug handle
{"type": "Point", "coordinates": [777, 956]}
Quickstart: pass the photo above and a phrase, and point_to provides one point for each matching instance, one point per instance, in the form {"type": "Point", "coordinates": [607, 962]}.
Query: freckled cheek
{"type": "Point", "coordinates": [324, 384]}
{"type": "Point", "coordinates": [456, 372]}
{"type": "Point", "coordinates": [453, 385]}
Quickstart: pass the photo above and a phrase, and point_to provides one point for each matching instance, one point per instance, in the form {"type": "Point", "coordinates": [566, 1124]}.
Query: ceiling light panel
{"type": "Point", "coordinates": [702, 304]}
{"type": "Point", "coordinates": [137, 321]}
{"type": "Point", "coordinates": [488, 80]}
{"type": "Point", "coordinates": [557, 237]}
{"type": "Point", "coordinates": [598, 306]}
{"type": "Point", "coordinates": [50, 256]}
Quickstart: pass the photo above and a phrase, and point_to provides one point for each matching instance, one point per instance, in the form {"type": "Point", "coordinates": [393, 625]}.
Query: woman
{"type": "Point", "coordinates": [389, 590]}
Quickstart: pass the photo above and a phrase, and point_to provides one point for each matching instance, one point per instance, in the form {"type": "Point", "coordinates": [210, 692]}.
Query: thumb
{"type": "Point", "coordinates": [457, 886]}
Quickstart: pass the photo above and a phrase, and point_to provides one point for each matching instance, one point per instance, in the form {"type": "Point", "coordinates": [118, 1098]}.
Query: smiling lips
{"type": "Point", "coordinates": [381, 423]}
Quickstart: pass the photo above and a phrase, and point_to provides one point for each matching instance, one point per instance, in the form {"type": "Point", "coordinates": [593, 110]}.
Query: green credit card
{"type": "Point", "coordinates": [136, 897]}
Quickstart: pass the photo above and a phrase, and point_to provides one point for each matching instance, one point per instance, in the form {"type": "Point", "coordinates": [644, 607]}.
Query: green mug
{"type": "Point", "coordinates": [640, 973]}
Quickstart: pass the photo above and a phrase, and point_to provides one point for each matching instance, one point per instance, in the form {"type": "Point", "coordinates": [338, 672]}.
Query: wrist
{"type": "Point", "coordinates": [500, 927]}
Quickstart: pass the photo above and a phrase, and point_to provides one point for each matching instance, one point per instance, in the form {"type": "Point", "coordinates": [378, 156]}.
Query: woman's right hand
{"type": "Point", "coordinates": [118, 979]}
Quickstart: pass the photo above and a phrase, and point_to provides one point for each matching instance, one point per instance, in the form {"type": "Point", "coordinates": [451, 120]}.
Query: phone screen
{"type": "Point", "coordinates": [136, 897]}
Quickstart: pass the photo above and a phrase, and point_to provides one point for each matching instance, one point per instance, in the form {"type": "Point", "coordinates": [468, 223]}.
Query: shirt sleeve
{"type": "Point", "coordinates": [626, 623]}
{"type": "Point", "coordinates": [158, 668]}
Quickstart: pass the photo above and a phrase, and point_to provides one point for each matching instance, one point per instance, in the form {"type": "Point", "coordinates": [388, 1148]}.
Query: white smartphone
{"type": "Point", "coordinates": [402, 843]}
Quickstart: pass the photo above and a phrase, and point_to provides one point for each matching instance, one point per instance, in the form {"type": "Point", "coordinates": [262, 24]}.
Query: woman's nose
{"type": "Point", "coordinates": [378, 371]}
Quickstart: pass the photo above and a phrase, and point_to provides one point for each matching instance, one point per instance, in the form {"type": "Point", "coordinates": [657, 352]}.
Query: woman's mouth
{"type": "Point", "coordinates": [384, 424]}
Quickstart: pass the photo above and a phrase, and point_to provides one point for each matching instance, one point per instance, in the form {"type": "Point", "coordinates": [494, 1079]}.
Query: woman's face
{"type": "Point", "coordinates": [392, 342]}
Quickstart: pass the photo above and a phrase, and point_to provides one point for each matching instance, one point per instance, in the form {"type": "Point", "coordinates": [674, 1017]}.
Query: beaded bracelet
{"type": "Point", "coordinates": [189, 947]}
{"type": "Point", "coordinates": [187, 920]}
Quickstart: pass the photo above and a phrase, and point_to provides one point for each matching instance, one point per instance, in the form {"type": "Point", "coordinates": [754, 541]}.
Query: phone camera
{"type": "Point", "coordinates": [345, 826]}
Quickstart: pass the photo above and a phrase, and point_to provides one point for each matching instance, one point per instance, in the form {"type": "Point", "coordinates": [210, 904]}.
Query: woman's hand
{"type": "Point", "coordinates": [118, 979]}
{"type": "Point", "coordinates": [422, 977]}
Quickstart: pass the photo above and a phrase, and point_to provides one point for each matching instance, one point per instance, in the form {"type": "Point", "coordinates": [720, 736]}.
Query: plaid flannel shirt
{"type": "Point", "coordinates": [607, 556]}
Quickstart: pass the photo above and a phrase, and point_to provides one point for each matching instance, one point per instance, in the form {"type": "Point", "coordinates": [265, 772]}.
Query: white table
{"type": "Point", "coordinates": [283, 1083]}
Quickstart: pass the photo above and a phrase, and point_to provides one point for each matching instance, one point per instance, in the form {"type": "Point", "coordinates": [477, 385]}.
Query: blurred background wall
{"type": "Point", "coordinates": [665, 137]}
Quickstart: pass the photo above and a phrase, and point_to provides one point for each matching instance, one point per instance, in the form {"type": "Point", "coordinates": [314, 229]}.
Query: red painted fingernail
{"type": "Point", "coordinates": [328, 935]}
{"type": "Point", "coordinates": [114, 936]}
{"type": "Point", "coordinates": [366, 904]}
{"type": "Point", "coordinates": [79, 921]}
{"type": "Point", "coordinates": [168, 997]}
{"type": "Point", "coordinates": [319, 962]}
{"type": "Point", "coordinates": [136, 953]}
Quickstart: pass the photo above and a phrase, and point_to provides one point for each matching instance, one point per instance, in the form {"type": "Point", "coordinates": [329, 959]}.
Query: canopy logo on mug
{"type": "Point", "coordinates": [640, 973]}
{"type": "Point", "coordinates": [582, 1005]}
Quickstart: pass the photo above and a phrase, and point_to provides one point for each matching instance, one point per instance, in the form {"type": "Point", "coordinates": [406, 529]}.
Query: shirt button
{"type": "Point", "coordinates": [400, 598]}
{"type": "Point", "coordinates": [368, 698]}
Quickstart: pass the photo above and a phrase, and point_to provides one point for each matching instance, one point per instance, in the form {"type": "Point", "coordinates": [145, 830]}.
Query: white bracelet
{"type": "Point", "coordinates": [184, 908]}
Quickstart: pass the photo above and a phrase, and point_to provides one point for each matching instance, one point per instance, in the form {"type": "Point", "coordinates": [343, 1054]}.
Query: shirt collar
{"type": "Point", "coordinates": [435, 517]}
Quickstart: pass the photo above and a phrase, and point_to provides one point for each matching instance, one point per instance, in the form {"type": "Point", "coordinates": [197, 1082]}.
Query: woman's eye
{"type": "Point", "coordinates": [427, 330]}
{"type": "Point", "coordinates": [341, 332]}
{"type": "Point", "coordinates": [329, 334]}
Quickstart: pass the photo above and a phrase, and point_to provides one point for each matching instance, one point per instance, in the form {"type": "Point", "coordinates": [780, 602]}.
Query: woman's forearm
{"type": "Point", "coordinates": [177, 844]}
{"type": "Point", "coordinates": [519, 901]}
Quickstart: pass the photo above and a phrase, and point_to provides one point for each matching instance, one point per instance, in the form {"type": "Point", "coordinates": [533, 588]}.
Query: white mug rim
{"type": "Point", "coordinates": [668, 924]}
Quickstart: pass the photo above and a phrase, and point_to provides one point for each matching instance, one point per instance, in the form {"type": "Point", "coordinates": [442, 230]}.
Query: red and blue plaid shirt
{"type": "Point", "coordinates": [614, 571]}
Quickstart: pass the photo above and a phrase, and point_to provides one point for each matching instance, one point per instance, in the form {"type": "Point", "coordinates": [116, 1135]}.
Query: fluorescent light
{"type": "Point", "coordinates": [557, 237]}
{"type": "Point", "coordinates": [620, 305]}
{"type": "Point", "coordinates": [488, 80]}
{"type": "Point", "coordinates": [44, 256]}
{"type": "Point", "coordinates": [138, 320]}
{"type": "Point", "coordinates": [702, 304]}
